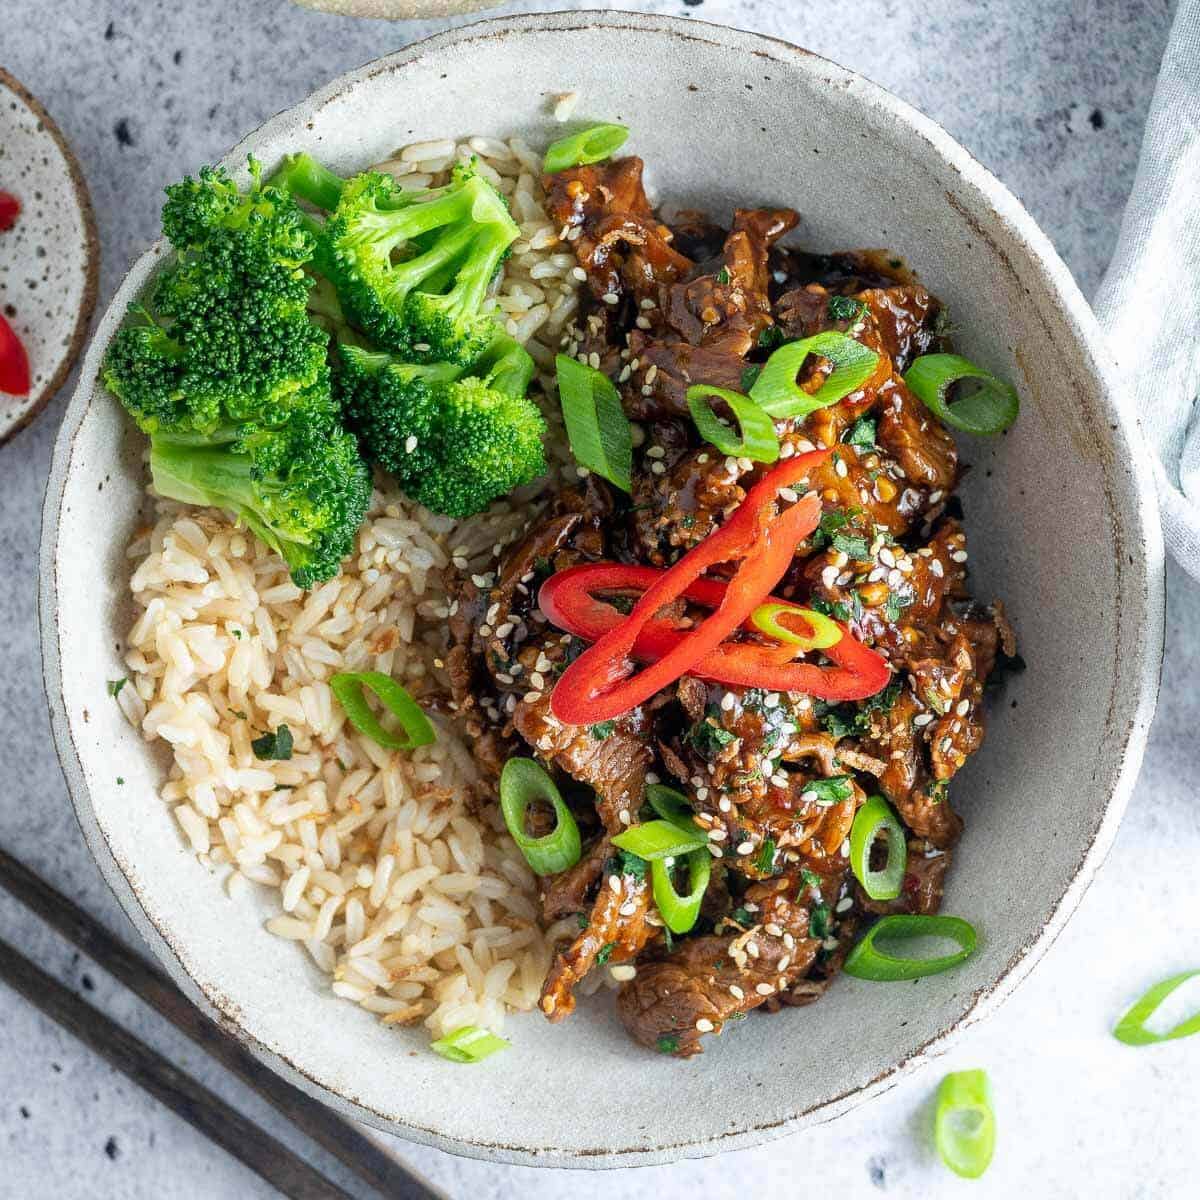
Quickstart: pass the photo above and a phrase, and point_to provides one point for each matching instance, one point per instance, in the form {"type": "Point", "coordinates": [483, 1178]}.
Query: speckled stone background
{"type": "Point", "coordinates": [1052, 98]}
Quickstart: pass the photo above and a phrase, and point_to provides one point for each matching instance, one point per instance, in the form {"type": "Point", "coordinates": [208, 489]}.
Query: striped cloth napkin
{"type": "Point", "coordinates": [1149, 302]}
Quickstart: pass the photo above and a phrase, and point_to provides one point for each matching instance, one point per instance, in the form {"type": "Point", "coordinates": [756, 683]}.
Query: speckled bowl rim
{"type": "Point", "coordinates": [91, 250]}
{"type": "Point", "coordinates": [1144, 644]}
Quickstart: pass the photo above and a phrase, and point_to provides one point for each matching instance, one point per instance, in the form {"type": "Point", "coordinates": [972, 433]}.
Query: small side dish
{"type": "Point", "coordinates": [545, 593]}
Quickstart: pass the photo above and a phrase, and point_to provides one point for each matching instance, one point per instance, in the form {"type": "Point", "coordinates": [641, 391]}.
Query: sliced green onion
{"type": "Point", "coordinates": [671, 805]}
{"type": "Point", "coordinates": [776, 391]}
{"type": "Point", "coordinates": [965, 1124]}
{"type": "Point", "coordinates": [659, 839]}
{"type": "Point", "coordinates": [873, 818]}
{"type": "Point", "coordinates": [590, 145]}
{"type": "Point", "coordinates": [867, 961]}
{"type": "Point", "coordinates": [758, 441]}
{"type": "Point", "coordinates": [825, 633]}
{"type": "Point", "coordinates": [470, 1044]}
{"type": "Point", "coordinates": [522, 782]}
{"type": "Point", "coordinates": [991, 408]}
{"type": "Point", "coordinates": [348, 687]}
{"type": "Point", "coordinates": [596, 424]}
{"type": "Point", "coordinates": [1131, 1028]}
{"type": "Point", "coordinates": [680, 912]}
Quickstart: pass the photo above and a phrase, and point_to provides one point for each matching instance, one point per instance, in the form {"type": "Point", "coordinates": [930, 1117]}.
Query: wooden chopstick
{"type": "Point", "coordinates": [369, 1161]}
{"type": "Point", "coordinates": [201, 1108]}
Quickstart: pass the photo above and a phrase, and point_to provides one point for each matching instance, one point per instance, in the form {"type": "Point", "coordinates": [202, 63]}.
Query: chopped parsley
{"type": "Point", "coordinates": [850, 609]}
{"type": "Point", "coordinates": [120, 781]}
{"type": "Point", "coordinates": [895, 604]}
{"type": "Point", "coordinates": [632, 865]}
{"type": "Point", "coordinates": [623, 604]}
{"type": "Point", "coordinates": [667, 1044]}
{"type": "Point", "coordinates": [845, 308]}
{"type": "Point", "coordinates": [604, 953]}
{"type": "Point", "coordinates": [723, 275]}
{"type": "Point", "coordinates": [115, 686]}
{"type": "Point", "coordinates": [771, 337]}
{"type": "Point", "coordinates": [938, 790]}
{"type": "Point", "coordinates": [831, 523]}
{"type": "Point", "coordinates": [749, 375]}
{"type": "Point", "coordinates": [828, 791]}
{"type": "Point", "coordinates": [861, 433]}
{"type": "Point", "coordinates": [237, 633]}
{"type": "Point", "coordinates": [818, 921]}
{"type": "Point", "coordinates": [741, 917]}
{"type": "Point", "coordinates": [275, 746]}
{"type": "Point", "coordinates": [602, 729]}
{"type": "Point", "coordinates": [766, 856]}
{"type": "Point", "coordinates": [852, 545]}
{"type": "Point", "coordinates": [237, 712]}
{"type": "Point", "coordinates": [848, 720]}
{"type": "Point", "coordinates": [709, 738]}
{"type": "Point", "coordinates": [582, 918]}
{"type": "Point", "coordinates": [810, 878]}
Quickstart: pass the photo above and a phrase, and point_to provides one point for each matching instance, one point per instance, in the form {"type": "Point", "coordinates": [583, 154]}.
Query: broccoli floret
{"type": "Point", "coordinates": [303, 491]}
{"type": "Point", "coordinates": [453, 442]}
{"type": "Point", "coordinates": [225, 371]}
{"type": "Point", "coordinates": [413, 268]}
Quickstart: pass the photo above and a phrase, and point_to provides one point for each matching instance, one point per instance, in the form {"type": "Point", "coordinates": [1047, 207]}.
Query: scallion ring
{"type": "Point", "coordinates": [680, 912]}
{"type": "Point", "coordinates": [965, 1123]}
{"type": "Point", "coordinates": [876, 817]}
{"type": "Point", "coordinates": [659, 839]}
{"type": "Point", "coordinates": [776, 391]}
{"type": "Point", "coordinates": [590, 145]}
{"type": "Point", "coordinates": [671, 805]}
{"type": "Point", "coordinates": [597, 427]}
{"type": "Point", "coordinates": [470, 1044]}
{"type": "Point", "coordinates": [524, 782]}
{"type": "Point", "coordinates": [1131, 1028]}
{"type": "Point", "coordinates": [823, 632]}
{"type": "Point", "coordinates": [758, 441]}
{"type": "Point", "coordinates": [990, 409]}
{"type": "Point", "coordinates": [867, 961]}
{"type": "Point", "coordinates": [349, 688]}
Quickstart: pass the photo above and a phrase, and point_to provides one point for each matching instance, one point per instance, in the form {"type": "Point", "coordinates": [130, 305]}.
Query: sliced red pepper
{"type": "Point", "coordinates": [14, 362]}
{"type": "Point", "coordinates": [10, 210]}
{"type": "Point", "coordinates": [599, 685]}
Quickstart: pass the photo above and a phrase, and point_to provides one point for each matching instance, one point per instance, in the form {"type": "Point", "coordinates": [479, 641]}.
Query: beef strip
{"type": "Point", "coordinates": [675, 999]}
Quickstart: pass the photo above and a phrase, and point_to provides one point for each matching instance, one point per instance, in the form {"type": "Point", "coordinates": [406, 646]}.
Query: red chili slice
{"type": "Point", "coordinates": [10, 210]}
{"type": "Point", "coordinates": [599, 684]}
{"type": "Point", "coordinates": [14, 362]}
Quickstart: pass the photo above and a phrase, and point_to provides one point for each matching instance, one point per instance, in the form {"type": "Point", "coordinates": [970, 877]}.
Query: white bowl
{"type": "Point", "coordinates": [1062, 523]}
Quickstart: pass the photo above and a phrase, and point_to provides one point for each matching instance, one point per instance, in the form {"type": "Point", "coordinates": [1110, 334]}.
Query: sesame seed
{"type": "Point", "coordinates": [628, 908]}
{"type": "Point", "coordinates": [922, 719]}
{"type": "Point", "coordinates": [788, 494]}
{"type": "Point", "coordinates": [724, 804]}
{"type": "Point", "coordinates": [579, 273]}
{"type": "Point", "coordinates": [840, 468]}
{"type": "Point", "coordinates": [611, 298]}
{"type": "Point", "coordinates": [715, 850]}
{"type": "Point", "coordinates": [773, 929]}
{"type": "Point", "coordinates": [750, 906]}
{"type": "Point", "coordinates": [505, 629]}
{"type": "Point", "coordinates": [763, 989]}
{"type": "Point", "coordinates": [717, 834]}
{"type": "Point", "coordinates": [614, 884]}
{"type": "Point", "coordinates": [736, 992]}
{"type": "Point", "coordinates": [887, 557]}
{"type": "Point", "coordinates": [829, 576]}
{"type": "Point", "coordinates": [704, 1025]}
{"type": "Point", "coordinates": [657, 468]}
{"type": "Point", "coordinates": [485, 631]}
{"type": "Point", "coordinates": [843, 904]}
{"type": "Point", "coordinates": [624, 817]}
{"type": "Point", "coordinates": [963, 707]}
{"type": "Point", "coordinates": [752, 949]}
{"type": "Point", "coordinates": [945, 745]}
{"type": "Point", "coordinates": [532, 697]}
{"type": "Point", "coordinates": [784, 963]}
{"type": "Point", "coordinates": [410, 443]}
{"type": "Point", "coordinates": [959, 556]}
{"type": "Point", "coordinates": [745, 848]}
{"type": "Point", "coordinates": [702, 794]}
{"type": "Point", "coordinates": [789, 941]}
{"type": "Point", "coordinates": [642, 322]}
{"type": "Point", "coordinates": [623, 972]}
{"type": "Point", "coordinates": [844, 849]}
{"type": "Point", "coordinates": [503, 677]}
{"type": "Point", "coordinates": [780, 779]}
{"type": "Point", "coordinates": [830, 943]}
{"type": "Point", "coordinates": [935, 496]}
{"type": "Point", "coordinates": [537, 680]}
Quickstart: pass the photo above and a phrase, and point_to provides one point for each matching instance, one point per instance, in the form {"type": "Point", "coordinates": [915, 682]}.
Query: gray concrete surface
{"type": "Point", "coordinates": [1052, 99]}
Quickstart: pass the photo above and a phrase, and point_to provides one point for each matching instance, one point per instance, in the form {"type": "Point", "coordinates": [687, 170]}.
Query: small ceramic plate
{"type": "Point", "coordinates": [50, 259]}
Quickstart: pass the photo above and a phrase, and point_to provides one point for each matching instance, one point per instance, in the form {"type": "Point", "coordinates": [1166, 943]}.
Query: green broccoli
{"type": "Point", "coordinates": [225, 371]}
{"type": "Point", "coordinates": [412, 267]}
{"type": "Point", "coordinates": [453, 441]}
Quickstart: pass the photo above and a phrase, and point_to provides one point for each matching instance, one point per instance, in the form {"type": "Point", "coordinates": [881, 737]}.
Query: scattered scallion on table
{"type": "Point", "coordinates": [350, 686]}
{"type": "Point", "coordinates": [868, 961]}
{"type": "Point", "coordinates": [470, 1044]}
{"type": "Point", "coordinates": [990, 409]}
{"type": "Point", "coordinates": [1131, 1028]}
{"type": "Point", "coordinates": [590, 145]}
{"type": "Point", "coordinates": [524, 782]}
{"type": "Point", "coordinates": [965, 1123]}
{"type": "Point", "coordinates": [596, 424]}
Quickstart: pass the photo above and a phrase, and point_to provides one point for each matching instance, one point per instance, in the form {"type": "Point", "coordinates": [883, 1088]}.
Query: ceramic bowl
{"type": "Point", "coordinates": [1062, 525]}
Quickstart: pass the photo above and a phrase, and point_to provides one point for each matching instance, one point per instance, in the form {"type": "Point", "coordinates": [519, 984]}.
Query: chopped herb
{"type": "Point", "coordinates": [810, 878]}
{"type": "Point", "coordinates": [542, 565]}
{"type": "Point", "coordinates": [276, 747]}
{"type": "Point", "coordinates": [830, 523]}
{"type": "Point", "coordinates": [895, 604]}
{"type": "Point", "coordinates": [708, 737]}
{"type": "Point", "coordinates": [845, 308]}
{"type": "Point", "coordinates": [839, 720]}
{"type": "Point", "coordinates": [623, 604]}
{"type": "Point", "coordinates": [602, 729]}
{"type": "Point", "coordinates": [667, 1044]}
{"type": "Point", "coordinates": [736, 1016]}
{"type": "Point", "coordinates": [120, 781]}
{"type": "Point", "coordinates": [582, 918]}
{"type": "Point", "coordinates": [688, 520]}
{"type": "Point", "coordinates": [852, 545]}
{"type": "Point", "coordinates": [237, 712]}
{"type": "Point", "coordinates": [603, 954]}
{"type": "Point", "coordinates": [749, 375]}
{"type": "Point", "coordinates": [861, 433]}
{"type": "Point", "coordinates": [771, 337]}
{"type": "Point", "coordinates": [829, 791]}
{"type": "Point", "coordinates": [575, 647]}
{"type": "Point", "coordinates": [895, 263]}
{"type": "Point", "coordinates": [818, 921]}
{"type": "Point", "coordinates": [766, 856]}
{"type": "Point", "coordinates": [237, 633]}
{"type": "Point", "coordinates": [632, 865]}
{"type": "Point", "coordinates": [938, 791]}
{"type": "Point", "coordinates": [936, 701]}
{"type": "Point", "coordinates": [115, 686]}
{"type": "Point", "coordinates": [850, 609]}
{"type": "Point", "coordinates": [741, 916]}
{"type": "Point", "coordinates": [723, 275]}
{"type": "Point", "coordinates": [341, 765]}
